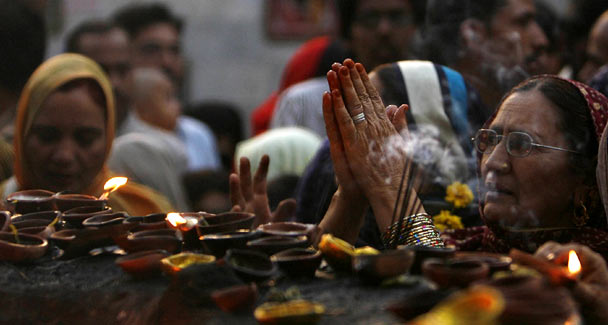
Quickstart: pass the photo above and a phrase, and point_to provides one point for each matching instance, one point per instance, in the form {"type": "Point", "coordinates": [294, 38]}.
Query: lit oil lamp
{"type": "Point", "coordinates": [175, 220]}
{"type": "Point", "coordinates": [187, 226]}
{"type": "Point", "coordinates": [112, 185]}
{"type": "Point", "coordinates": [557, 274]}
{"type": "Point", "coordinates": [574, 264]}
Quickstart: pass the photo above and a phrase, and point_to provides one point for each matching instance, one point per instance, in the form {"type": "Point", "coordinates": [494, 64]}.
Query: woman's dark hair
{"type": "Point", "coordinates": [134, 18]}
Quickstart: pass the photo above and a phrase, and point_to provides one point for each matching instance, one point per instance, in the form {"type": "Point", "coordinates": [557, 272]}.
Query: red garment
{"type": "Point", "coordinates": [303, 65]}
{"type": "Point", "coordinates": [493, 238]}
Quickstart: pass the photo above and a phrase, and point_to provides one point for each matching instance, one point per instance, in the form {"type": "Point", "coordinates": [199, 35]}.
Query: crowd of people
{"type": "Point", "coordinates": [501, 95]}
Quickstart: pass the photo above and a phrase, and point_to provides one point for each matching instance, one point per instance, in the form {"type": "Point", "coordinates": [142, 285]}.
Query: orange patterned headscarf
{"type": "Point", "coordinates": [47, 78]}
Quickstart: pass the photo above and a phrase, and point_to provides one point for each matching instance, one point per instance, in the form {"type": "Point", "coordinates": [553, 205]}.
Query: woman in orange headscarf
{"type": "Point", "coordinates": [64, 132]}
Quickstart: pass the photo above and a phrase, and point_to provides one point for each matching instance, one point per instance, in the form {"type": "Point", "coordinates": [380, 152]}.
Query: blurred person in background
{"type": "Point", "coordinates": [161, 155]}
{"type": "Point", "coordinates": [309, 61]}
{"type": "Point", "coordinates": [373, 32]}
{"type": "Point", "coordinates": [494, 44]}
{"type": "Point", "coordinates": [225, 121]}
{"type": "Point", "coordinates": [597, 49]}
{"type": "Point", "coordinates": [23, 39]}
{"type": "Point", "coordinates": [108, 45]}
{"type": "Point", "coordinates": [154, 33]}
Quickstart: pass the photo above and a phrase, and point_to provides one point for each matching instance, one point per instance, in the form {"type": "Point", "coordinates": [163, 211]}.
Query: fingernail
{"type": "Point", "coordinates": [344, 71]}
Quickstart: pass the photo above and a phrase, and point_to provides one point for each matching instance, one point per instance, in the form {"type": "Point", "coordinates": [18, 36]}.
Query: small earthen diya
{"type": "Point", "coordinates": [16, 247]}
{"type": "Point", "coordinates": [30, 201]}
{"type": "Point", "coordinates": [298, 262]}
{"type": "Point", "coordinates": [274, 244]}
{"type": "Point", "coordinates": [557, 274]}
{"type": "Point", "coordinates": [236, 298]}
{"type": "Point", "coordinates": [218, 244]}
{"type": "Point", "coordinates": [454, 272]}
{"type": "Point", "coordinates": [386, 265]}
{"type": "Point", "coordinates": [5, 220]}
{"type": "Point", "coordinates": [175, 263]}
{"type": "Point", "coordinates": [166, 239]}
{"type": "Point", "coordinates": [142, 263]}
{"type": "Point", "coordinates": [250, 265]}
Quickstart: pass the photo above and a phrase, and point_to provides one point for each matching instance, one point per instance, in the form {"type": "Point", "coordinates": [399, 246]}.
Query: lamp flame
{"type": "Point", "coordinates": [175, 219]}
{"type": "Point", "coordinates": [112, 185]}
{"type": "Point", "coordinates": [574, 264]}
{"type": "Point", "coordinates": [182, 223]}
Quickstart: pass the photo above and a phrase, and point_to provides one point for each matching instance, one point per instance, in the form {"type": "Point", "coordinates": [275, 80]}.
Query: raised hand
{"type": "Point", "coordinates": [251, 196]}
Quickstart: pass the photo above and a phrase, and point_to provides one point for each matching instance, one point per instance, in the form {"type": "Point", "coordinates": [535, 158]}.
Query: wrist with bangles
{"type": "Point", "coordinates": [414, 230]}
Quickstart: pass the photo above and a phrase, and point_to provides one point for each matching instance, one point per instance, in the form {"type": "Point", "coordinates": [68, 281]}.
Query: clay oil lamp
{"type": "Point", "coordinates": [290, 229]}
{"type": "Point", "coordinates": [218, 244]}
{"type": "Point", "coordinates": [185, 223]}
{"type": "Point", "coordinates": [148, 222]}
{"type": "Point", "coordinates": [37, 223]}
{"type": "Point", "coordinates": [74, 217]}
{"type": "Point", "coordinates": [111, 225]}
{"type": "Point", "coordinates": [142, 264]}
{"type": "Point", "coordinates": [224, 222]}
{"type": "Point", "coordinates": [166, 239]}
{"type": "Point", "coordinates": [175, 263]}
{"type": "Point", "coordinates": [30, 201]}
{"type": "Point", "coordinates": [454, 272]}
{"type": "Point", "coordinates": [496, 262]}
{"type": "Point", "coordinates": [339, 253]}
{"type": "Point", "coordinates": [298, 262]}
{"type": "Point", "coordinates": [236, 298]}
{"type": "Point", "coordinates": [77, 242]}
{"type": "Point", "coordinates": [387, 264]}
{"type": "Point", "coordinates": [250, 265]}
{"type": "Point", "coordinates": [273, 244]}
{"type": "Point", "coordinates": [423, 252]}
{"type": "Point", "coordinates": [556, 273]}
{"type": "Point", "coordinates": [291, 312]}
{"type": "Point", "coordinates": [65, 202]}
{"type": "Point", "coordinates": [417, 303]}
{"type": "Point", "coordinates": [16, 247]}
{"type": "Point", "coordinates": [5, 220]}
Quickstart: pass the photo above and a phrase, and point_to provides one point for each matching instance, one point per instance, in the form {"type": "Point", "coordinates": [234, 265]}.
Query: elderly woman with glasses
{"type": "Point", "coordinates": [537, 157]}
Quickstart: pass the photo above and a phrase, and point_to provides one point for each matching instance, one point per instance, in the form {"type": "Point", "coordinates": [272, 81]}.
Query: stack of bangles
{"type": "Point", "coordinates": [416, 230]}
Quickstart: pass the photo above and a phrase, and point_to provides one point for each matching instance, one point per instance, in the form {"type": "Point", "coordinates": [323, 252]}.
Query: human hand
{"type": "Point", "coordinates": [590, 291]}
{"type": "Point", "coordinates": [251, 196]}
{"type": "Point", "coordinates": [372, 148]}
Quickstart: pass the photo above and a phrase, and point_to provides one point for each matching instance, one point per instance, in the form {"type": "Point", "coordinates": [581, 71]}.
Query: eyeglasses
{"type": "Point", "coordinates": [519, 144]}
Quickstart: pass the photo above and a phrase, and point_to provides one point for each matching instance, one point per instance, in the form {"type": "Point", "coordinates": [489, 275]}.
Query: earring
{"type": "Point", "coordinates": [580, 219]}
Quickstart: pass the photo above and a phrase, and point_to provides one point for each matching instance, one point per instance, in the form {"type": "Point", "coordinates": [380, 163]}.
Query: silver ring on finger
{"type": "Point", "coordinates": [359, 118]}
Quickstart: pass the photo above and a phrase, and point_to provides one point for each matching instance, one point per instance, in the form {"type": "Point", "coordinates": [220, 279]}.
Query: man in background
{"type": "Point", "coordinates": [108, 45]}
{"type": "Point", "coordinates": [154, 34]}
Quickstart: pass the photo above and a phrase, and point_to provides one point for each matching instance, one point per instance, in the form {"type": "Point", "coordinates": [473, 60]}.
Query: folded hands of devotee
{"type": "Point", "coordinates": [591, 290]}
{"type": "Point", "coordinates": [249, 195]}
{"type": "Point", "coordinates": [365, 140]}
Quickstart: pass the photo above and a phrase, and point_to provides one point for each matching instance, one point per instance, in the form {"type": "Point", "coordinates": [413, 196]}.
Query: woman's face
{"type": "Point", "coordinates": [536, 190]}
{"type": "Point", "coordinates": [66, 143]}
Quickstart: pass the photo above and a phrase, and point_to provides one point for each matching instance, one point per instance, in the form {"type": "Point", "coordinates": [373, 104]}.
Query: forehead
{"type": "Point", "coordinates": [513, 10]}
{"type": "Point", "coordinates": [373, 5]}
{"type": "Point", "coordinates": [109, 46]}
{"type": "Point", "coordinates": [160, 32]}
{"type": "Point", "coordinates": [528, 111]}
{"type": "Point", "coordinates": [71, 109]}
